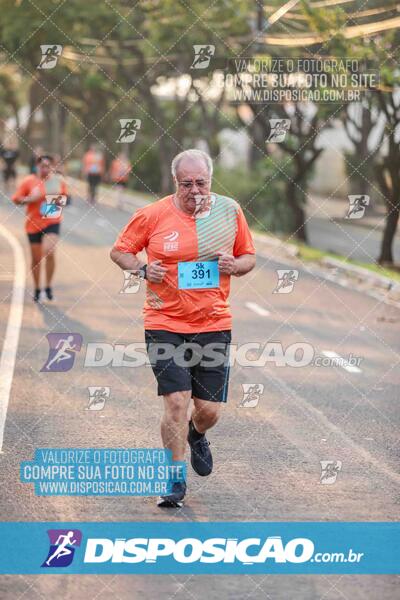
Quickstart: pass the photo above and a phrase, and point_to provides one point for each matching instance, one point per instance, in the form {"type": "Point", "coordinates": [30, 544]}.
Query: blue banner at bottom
{"type": "Point", "coordinates": [200, 548]}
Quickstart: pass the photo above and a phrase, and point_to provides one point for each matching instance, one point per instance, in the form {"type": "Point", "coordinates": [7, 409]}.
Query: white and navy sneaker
{"type": "Point", "coordinates": [175, 499]}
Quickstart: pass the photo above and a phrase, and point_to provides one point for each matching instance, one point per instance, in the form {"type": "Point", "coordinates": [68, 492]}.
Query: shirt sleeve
{"type": "Point", "coordinates": [135, 235]}
{"type": "Point", "coordinates": [22, 190]}
{"type": "Point", "coordinates": [244, 242]}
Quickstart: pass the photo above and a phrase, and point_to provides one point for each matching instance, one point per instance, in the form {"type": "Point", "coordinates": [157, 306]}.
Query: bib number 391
{"type": "Point", "coordinates": [198, 275]}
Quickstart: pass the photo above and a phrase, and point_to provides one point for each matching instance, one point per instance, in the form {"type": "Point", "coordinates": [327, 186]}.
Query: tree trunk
{"type": "Point", "coordinates": [298, 214]}
{"type": "Point", "coordinates": [392, 218]}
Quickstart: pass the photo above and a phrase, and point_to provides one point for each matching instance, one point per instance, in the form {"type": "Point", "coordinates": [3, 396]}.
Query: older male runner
{"type": "Point", "coordinates": [195, 241]}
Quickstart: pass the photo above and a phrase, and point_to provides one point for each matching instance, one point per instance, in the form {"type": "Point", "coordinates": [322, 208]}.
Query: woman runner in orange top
{"type": "Point", "coordinates": [44, 194]}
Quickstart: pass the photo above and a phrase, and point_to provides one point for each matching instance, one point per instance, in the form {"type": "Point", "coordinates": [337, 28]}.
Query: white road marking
{"type": "Point", "coordinates": [10, 344]}
{"type": "Point", "coordinates": [101, 222]}
{"type": "Point", "coordinates": [341, 362]}
{"type": "Point", "coordinates": [257, 309]}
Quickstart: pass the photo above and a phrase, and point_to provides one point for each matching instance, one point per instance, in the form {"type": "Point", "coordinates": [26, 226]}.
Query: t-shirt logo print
{"type": "Point", "coordinates": [171, 244]}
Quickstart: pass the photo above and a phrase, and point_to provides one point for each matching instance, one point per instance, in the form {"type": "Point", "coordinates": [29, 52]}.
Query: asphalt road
{"type": "Point", "coordinates": [353, 241]}
{"type": "Point", "coordinates": [267, 458]}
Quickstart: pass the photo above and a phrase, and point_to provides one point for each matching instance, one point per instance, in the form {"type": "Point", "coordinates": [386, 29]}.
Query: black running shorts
{"type": "Point", "coordinates": [196, 362]}
{"type": "Point", "coordinates": [36, 238]}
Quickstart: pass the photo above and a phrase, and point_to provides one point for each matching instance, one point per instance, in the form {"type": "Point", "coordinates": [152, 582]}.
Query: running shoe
{"type": "Point", "coordinates": [200, 453]}
{"type": "Point", "coordinates": [175, 499]}
{"type": "Point", "coordinates": [36, 295]}
{"type": "Point", "coordinates": [49, 293]}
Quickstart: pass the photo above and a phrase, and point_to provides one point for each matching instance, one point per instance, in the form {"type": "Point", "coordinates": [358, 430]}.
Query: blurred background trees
{"type": "Point", "coordinates": [125, 59]}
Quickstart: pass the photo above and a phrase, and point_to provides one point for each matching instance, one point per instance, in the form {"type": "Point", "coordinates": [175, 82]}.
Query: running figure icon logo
{"type": "Point", "coordinates": [279, 129]}
{"type": "Point", "coordinates": [97, 397]}
{"type": "Point", "coordinates": [202, 55]}
{"type": "Point", "coordinates": [286, 280]}
{"type": "Point", "coordinates": [53, 206]}
{"type": "Point", "coordinates": [329, 471]}
{"type": "Point", "coordinates": [129, 129]}
{"type": "Point", "coordinates": [63, 543]}
{"type": "Point", "coordinates": [204, 205]}
{"type": "Point", "coordinates": [50, 55]}
{"type": "Point", "coordinates": [251, 394]}
{"type": "Point", "coordinates": [357, 206]}
{"type": "Point", "coordinates": [132, 281]}
{"type": "Point", "coordinates": [61, 351]}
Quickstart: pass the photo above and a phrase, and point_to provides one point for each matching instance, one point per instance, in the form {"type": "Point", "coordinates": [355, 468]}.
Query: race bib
{"type": "Point", "coordinates": [198, 275]}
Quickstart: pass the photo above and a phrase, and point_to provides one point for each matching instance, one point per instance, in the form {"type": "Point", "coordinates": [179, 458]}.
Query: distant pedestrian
{"type": "Point", "coordinates": [93, 168]}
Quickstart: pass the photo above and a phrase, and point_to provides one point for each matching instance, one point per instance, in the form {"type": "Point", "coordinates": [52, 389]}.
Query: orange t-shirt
{"type": "Point", "coordinates": [172, 236]}
{"type": "Point", "coordinates": [119, 170]}
{"type": "Point", "coordinates": [35, 219]}
{"type": "Point", "coordinates": [93, 163]}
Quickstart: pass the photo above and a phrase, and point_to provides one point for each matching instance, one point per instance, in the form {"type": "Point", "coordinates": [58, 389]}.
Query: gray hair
{"type": "Point", "coordinates": [192, 153]}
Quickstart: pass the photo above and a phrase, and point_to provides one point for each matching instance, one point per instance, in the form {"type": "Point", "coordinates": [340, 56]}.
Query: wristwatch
{"type": "Point", "coordinates": [143, 272]}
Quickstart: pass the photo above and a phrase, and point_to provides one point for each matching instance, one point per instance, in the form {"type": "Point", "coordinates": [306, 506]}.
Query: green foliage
{"type": "Point", "coordinates": [261, 192]}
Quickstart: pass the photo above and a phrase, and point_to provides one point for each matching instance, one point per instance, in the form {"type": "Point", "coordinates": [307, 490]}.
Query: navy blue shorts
{"type": "Point", "coordinates": [196, 362]}
{"type": "Point", "coordinates": [36, 238]}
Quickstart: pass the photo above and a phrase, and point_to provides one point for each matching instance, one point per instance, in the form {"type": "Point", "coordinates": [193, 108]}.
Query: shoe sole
{"type": "Point", "coordinates": [163, 503]}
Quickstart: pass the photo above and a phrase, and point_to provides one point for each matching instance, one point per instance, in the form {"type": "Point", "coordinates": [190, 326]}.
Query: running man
{"type": "Point", "coordinates": [120, 169]}
{"type": "Point", "coordinates": [190, 264]}
{"type": "Point", "coordinates": [42, 224]}
{"type": "Point", "coordinates": [93, 168]}
{"type": "Point", "coordinates": [62, 542]}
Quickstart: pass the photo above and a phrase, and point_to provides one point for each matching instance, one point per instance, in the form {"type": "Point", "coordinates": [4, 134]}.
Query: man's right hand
{"type": "Point", "coordinates": [156, 272]}
{"type": "Point", "coordinates": [35, 195]}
